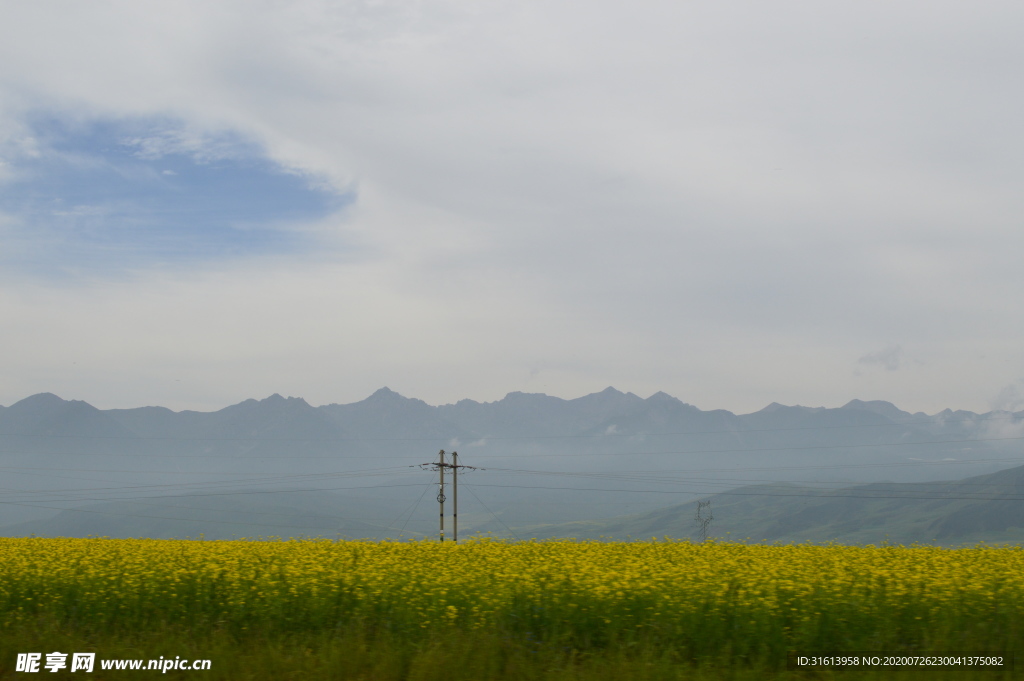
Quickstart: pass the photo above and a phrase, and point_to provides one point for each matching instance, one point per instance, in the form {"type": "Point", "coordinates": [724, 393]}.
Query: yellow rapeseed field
{"type": "Point", "coordinates": [701, 600]}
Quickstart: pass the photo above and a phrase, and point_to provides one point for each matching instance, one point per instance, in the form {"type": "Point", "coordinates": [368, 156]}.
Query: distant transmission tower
{"type": "Point", "coordinates": [440, 466]}
{"type": "Point", "coordinates": [703, 518]}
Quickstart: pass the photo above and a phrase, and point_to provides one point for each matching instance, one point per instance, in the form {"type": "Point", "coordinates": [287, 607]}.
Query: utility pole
{"type": "Point", "coordinates": [455, 495]}
{"type": "Point", "coordinates": [441, 465]}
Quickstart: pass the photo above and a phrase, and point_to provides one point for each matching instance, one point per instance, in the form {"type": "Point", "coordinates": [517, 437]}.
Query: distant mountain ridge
{"type": "Point", "coordinates": [541, 460]}
{"type": "Point", "coordinates": [386, 413]}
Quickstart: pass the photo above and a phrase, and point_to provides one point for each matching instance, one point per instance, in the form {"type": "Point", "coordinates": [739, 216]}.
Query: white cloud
{"type": "Point", "coordinates": [890, 358]}
{"type": "Point", "coordinates": [203, 148]}
{"type": "Point", "coordinates": [1010, 397]}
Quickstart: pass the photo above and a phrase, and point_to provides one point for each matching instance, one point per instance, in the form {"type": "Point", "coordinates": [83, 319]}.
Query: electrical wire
{"type": "Point", "coordinates": [193, 489]}
{"type": "Point", "coordinates": [823, 493]}
{"type": "Point", "coordinates": [659, 476]}
{"type": "Point", "coordinates": [416, 505]}
{"type": "Point", "coordinates": [227, 483]}
{"type": "Point", "coordinates": [932, 421]}
{"type": "Point", "coordinates": [156, 517]}
{"type": "Point", "coordinates": [740, 450]}
{"type": "Point", "coordinates": [220, 494]}
{"type": "Point", "coordinates": [469, 488]}
{"type": "Point", "coordinates": [682, 480]}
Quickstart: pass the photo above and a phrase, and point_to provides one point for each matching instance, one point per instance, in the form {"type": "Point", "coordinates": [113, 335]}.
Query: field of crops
{"type": "Point", "coordinates": [491, 609]}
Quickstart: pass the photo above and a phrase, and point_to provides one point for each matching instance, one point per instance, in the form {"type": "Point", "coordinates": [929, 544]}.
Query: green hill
{"type": "Point", "coordinates": [987, 508]}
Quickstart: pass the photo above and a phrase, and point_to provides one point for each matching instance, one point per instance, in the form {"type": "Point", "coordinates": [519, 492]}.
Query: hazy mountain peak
{"type": "Point", "coordinates": [39, 400]}
{"type": "Point", "coordinates": [775, 406]}
{"type": "Point", "coordinates": [880, 407]}
{"type": "Point", "coordinates": [386, 398]}
{"type": "Point", "coordinates": [277, 400]}
{"type": "Point", "coordinates": [519, 396]}
{"type": "Point", "coordinates": [48, 403]}
{"type": "Point", "coordinates": [387, 413]}
{"type": "Point", "coordinates": [608, 397]}
{"type": "Point", "coordinates": [273, 404]}
{"type": "Point", "coordinates": [862, 404]}
{"type": "Point", "coordinates": [386, 394]}
{"type": "Point", "coordinates": [664, 397]}
{"type": "Point", "coordinates": [46, 413]}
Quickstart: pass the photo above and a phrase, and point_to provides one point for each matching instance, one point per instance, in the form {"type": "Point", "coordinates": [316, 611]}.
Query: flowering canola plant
{"type": "Point", "coordinates": [699, 599]}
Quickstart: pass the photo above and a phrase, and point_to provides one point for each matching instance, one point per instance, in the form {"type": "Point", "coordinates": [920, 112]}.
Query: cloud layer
{"type": "Point", "coordinates": [729, 202]}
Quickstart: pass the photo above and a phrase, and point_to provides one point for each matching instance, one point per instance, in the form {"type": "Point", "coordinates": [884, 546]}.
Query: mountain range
{"type": "Point", "coordinates": [601, 464]}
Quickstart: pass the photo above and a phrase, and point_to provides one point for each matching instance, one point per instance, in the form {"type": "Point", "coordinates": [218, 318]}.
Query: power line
{"type": "Point", "coordinates": [659, 476]}
{"type": "Point", "coordinates": [191, 489]}
{"type": "Point", "coordinates": [411, 509]}
{"type": "Point", "coordinates": [487, 508]}
{"type": "Point", "coordinates": [220, 494]}
{"type": "Point", "coordinates": [933, 421]}
{"type": "Point", "coordinates": [740, 450]}
{"type": "Point", "coordinates": [188, 488]}
{"type": "Point", "coordinates": [125, 471]}
{"type": "Point", "coordinates": [122, 471]}
{"type": "Point", "coordinates": [622, 474]}
{"type": "Point", "coordinates": [769, 449]}
{"type": "Point", "coordinates": [247, 511]}
{"type": "Point", "coordinates": [393, 470]}
{"type": "Point", "coordinates": [199, 520]}
{"type": "Point", "coordinates": [759, 491]}
{"type": "Point", "coordinates": [779, 484]}
{"type": "Point", "coordinates": [823, 494]}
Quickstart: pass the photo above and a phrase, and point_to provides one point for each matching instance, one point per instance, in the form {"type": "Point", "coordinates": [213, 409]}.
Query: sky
{"type": "Point", "coordinates": [736, 203]}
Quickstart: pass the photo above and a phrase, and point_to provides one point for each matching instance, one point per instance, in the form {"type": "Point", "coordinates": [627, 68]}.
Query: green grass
{"type": "Point", "coordinates": [444, 656]}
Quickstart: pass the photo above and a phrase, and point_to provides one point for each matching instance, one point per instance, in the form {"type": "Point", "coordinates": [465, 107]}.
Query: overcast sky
{"type": "Point", "coordinates": [734, 202]}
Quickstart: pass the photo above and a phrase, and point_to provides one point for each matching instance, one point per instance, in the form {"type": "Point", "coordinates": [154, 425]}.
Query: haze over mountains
{"type": "Point", "coordinates": [280, 466]}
